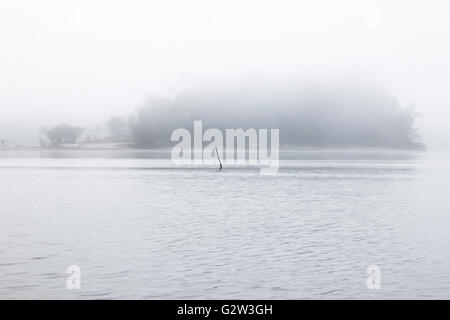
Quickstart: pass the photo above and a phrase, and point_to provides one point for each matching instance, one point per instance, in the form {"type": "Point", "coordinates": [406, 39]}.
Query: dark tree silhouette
{"type": "Point", "coordinates": [321, 116]}
{"type": "Point", "coordinates": [62, 134]}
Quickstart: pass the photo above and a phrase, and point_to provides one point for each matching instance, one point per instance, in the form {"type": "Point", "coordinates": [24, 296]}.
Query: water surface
{"type": "Point", "coordinates": [140, 227]}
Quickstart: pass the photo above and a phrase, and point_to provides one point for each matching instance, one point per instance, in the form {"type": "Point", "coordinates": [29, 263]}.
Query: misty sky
{"type": "Point", "coordinates": [82, 61]}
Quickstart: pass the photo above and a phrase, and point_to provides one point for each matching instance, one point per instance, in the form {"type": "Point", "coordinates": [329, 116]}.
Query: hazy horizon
{"type": "Point", "coordinates": [80, 62]}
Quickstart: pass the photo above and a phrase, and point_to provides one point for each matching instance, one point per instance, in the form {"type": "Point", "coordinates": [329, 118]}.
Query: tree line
{"type": "Point", "coordinates": [351, 116]}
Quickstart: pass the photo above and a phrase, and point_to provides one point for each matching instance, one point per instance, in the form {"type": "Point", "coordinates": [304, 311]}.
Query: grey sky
{"type": "Point", "coordinates": [81, 61]}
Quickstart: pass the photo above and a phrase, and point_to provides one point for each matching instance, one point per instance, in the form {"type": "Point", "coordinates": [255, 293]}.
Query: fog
{"type": "Point", "coordinates": [81, 62]}
{"type": "Point", "coordinates": [310, 112]}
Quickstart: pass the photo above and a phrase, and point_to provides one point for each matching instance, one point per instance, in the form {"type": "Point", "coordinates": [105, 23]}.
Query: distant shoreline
{"type": "Point", "coordinates": [133, 148]}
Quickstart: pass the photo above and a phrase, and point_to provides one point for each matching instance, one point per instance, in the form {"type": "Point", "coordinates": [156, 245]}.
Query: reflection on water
{"type": "Point", "coordinates": [140, 227]}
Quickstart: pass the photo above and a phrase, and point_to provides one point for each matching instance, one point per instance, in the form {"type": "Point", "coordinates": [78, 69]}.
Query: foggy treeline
{"type": "Point", "coordinates": [313, 116]}
{"type": "Point", "coordinates": [307, 115]}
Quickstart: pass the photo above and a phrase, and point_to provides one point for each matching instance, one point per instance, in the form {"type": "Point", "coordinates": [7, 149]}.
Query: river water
{"type": "Point", "coordinates": [140, 227]}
